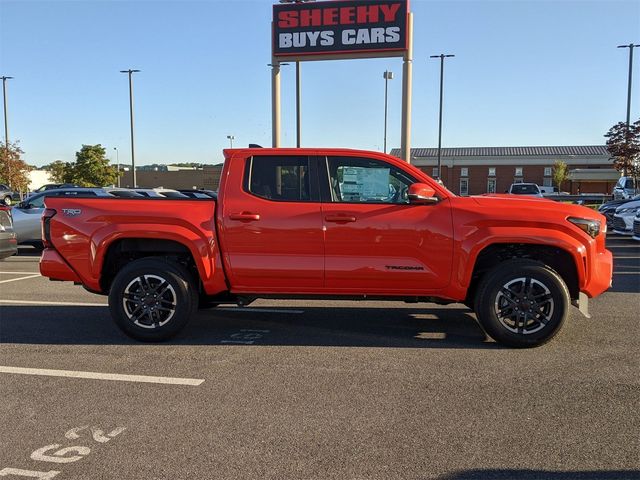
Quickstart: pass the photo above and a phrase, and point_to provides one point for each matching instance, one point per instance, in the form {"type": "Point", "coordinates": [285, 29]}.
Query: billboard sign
{"type": "Point", "coordinates": [340, 27]}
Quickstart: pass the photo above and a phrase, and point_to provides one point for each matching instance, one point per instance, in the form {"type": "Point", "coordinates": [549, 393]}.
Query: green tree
{"type": "Point", "coordinates": [91, 168]}
{"type": "Point", "coordinates": [623, 144]}
{"type": "Point", "coordinates": [13, 170]}
{"type": "Point", "coordinates": [560, 173]}
{"type": "Point", "coordinates": [57, 171]}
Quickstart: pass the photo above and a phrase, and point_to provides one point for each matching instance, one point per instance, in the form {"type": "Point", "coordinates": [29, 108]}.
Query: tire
{"type": "Point", "coordinates": [143, 316]}
{"type": "Point", "coordinates": [7, 200]}
{"type": "Point", "coordinates": [518, 286]}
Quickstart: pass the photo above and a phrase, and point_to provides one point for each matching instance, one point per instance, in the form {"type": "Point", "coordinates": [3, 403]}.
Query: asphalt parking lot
{"type": "Point", "coordinates": [312, 390]}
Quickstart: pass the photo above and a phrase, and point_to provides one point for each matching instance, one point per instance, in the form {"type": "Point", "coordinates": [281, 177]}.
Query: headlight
{"type": "Point", "coordinates": [592, 227]}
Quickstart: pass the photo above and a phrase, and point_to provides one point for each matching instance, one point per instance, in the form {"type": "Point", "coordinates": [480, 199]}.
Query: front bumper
{"type": "Point", "coordinates": [600, 274]}
{"type": "Point", "coordinates": [623, 224]}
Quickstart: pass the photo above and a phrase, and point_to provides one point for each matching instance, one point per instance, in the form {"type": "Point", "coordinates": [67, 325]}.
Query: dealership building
{"type": "Point", "coordinates": [477, 170]}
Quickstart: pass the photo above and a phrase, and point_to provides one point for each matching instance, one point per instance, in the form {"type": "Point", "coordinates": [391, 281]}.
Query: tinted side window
{"type": "Point", "coordinates": [280, 178]}
{"type": "Point", "coordinates": [37, 202]}
{"type": "Point", "coordinates": [364, 180]}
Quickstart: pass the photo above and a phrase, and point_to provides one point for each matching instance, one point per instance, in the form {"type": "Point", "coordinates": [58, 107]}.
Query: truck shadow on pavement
{"type": "Point", "coordinates": [513, 474]}
{"type": "Point", "coordinates": [260, 326]}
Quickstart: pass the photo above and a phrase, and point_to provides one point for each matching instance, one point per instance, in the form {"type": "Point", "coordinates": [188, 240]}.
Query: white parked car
{"type": "Point", "coordinates": [525, 189]}
{"type": "Point", "coordinates": [625, 189]}
{"type": "Point", "coordinates": [623, 218]}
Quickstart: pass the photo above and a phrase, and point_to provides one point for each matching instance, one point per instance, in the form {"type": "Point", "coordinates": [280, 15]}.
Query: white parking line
{"type": "Point", "coordinates": [67, 304]}
{"type": "Point", "coordinates": [102, 376]}
{"type": "Point", "coordinates": [21, 278]}
{"type": "Point", "coordinates": [20, 273]}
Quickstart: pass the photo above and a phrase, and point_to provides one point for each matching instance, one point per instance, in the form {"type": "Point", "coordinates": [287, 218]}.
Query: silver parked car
{"type": "Point", "coordinates": [27, 214]}
{"type": "Point", "coordinates": [7, 195]}
{"type": "Point", "coordinates": [8, 244]}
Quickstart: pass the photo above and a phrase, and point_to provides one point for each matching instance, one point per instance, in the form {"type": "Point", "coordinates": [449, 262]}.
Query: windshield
{"type": "Point", "coordinates": [524, 189]}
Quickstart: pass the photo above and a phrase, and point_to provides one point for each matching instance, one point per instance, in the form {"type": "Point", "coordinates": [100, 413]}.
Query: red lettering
{"type": "Point", "coordinates": [310, 17]}
{"type": "Point", "coordinates": [288, 19]}
{"type": "Point", "coordinates": [389, 11]}
{"type": "Point", "coordinates": [330, 16]}
{"type": "Point", "coordinates": [347, 15]}
{"type": "Point", "coordinates": [366, 14]}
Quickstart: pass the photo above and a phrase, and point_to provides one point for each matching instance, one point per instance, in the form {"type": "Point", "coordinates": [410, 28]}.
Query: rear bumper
{"type": "Point", "coordinates": [8, 244]}
{"type": "Point", "coordinates": [601, 273]}
{"type": "Point", "coordinates": [52, 265]}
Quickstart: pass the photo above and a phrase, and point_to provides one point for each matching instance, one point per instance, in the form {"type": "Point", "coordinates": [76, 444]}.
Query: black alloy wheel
{"type": "Point", "coordinates": [522, 303]}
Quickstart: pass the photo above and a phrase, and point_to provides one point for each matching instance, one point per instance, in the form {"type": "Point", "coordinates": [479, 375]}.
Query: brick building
{"type": "Point", "coordinates": [477, 170]}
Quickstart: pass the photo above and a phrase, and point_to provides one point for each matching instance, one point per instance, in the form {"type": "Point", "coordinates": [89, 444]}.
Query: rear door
{"type": "Point", "coordinates": [375, 241]}
{"type": "Point", "coordinates": [272, 225]}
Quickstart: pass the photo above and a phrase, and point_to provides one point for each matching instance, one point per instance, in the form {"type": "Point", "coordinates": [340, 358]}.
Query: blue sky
{"type": "Point", "coordinates": [525, 73]}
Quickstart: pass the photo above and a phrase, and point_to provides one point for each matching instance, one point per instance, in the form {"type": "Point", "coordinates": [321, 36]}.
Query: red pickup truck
{"type": "Point", "coordinates": [332, 224]}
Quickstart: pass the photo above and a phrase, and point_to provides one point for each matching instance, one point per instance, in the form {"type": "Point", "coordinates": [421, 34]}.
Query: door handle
{"type": "Point", "coordinates": [340, 218]}
{"type": "Point", "coordinates": [245, 217]}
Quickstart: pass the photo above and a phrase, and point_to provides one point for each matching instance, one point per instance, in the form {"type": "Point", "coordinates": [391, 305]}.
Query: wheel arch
{"type": "Point", "coordinates": [123, 251]}
{"type": "Point", "coordinates": [556, 258]}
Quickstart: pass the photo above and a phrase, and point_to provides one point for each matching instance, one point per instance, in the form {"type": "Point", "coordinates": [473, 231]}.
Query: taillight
{"type": "Point", "coordinates": [47, 215]}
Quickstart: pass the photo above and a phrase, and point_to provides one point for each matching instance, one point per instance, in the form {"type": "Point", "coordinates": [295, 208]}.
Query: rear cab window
{"type": "Point", "coordinates": [285, 178]}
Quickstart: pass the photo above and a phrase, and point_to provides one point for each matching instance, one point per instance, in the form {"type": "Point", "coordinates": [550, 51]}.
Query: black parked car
{"type": "Point", "coordinates": [608, 209]}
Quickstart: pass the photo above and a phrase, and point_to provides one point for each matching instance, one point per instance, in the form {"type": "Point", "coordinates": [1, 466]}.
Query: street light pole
{"type": "Point", "coordinates": [442, 56]}
{"type": "Point", "coordinates": [231, 139]}
{"type": "Point", "coordinates": [6, 127]}
{"type": "Point", "coordinates": [133, 154]}
{"type": "Point", "coordinates": [117, 164]}
{"type": "Point", "coordinates": [387, 75]}
{"type": "Point", "coordinates": [631, 46]}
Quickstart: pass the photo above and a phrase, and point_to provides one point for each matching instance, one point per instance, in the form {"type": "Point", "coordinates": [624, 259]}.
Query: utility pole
{"type": "Point", "coordinates": [442, 56]}
{"type": "Point", "coordinates": [117, 164]}
{"type": "Point", "coordinates": [6, 127]}
{"type": "Point", "coordinates": [133, 154]}
{"type": "Point", "coordinates": [387, 75]}
{"type": "Point", "coordinates": [231, 139]}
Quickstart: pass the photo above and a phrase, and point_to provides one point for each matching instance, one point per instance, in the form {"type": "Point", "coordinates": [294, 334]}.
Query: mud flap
{"type": "Point", "coordinates": [583, 304]}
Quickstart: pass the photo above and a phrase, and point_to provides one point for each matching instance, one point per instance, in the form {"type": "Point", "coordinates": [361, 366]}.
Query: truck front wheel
{"type": "Point", "coordinates": [152, 299]}
{"type": "Point", "coordinates": [522, 303]}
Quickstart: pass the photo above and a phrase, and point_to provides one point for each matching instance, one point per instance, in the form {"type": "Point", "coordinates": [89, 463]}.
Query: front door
{"type": "Point", "coordinates": [375, 241]}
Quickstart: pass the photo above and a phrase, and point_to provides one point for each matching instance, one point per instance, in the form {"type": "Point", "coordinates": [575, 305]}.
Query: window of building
{"type": "Point", "coordinates": [278, 178]}
{"type": "Point", "coordinates": [464, 172]}
{"type": "Point", "coordinates": [491, 185]}
{"type": "Point", "coordinates": [365, 180]}
{"type": "Point", "coordinates": [547, 171]}
{"type": "Point", "coordinates": [434, 172]}
{"type": "Point", "coordinates": [464, 187]}
{"type": "Point", "coordinates": [519, 171]}
{"type": "Point", "coordinates": [492, 171]}
{"type": "Point", "coordinates": [547, 182]}
{"type": "Point", "coordinates": [517, 180]}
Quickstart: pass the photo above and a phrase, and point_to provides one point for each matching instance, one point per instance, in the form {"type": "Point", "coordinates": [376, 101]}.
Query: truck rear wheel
{"type": "Point", "coordinates": [522, 303]}
{"type": "Point", "coordinates": [152, 299]}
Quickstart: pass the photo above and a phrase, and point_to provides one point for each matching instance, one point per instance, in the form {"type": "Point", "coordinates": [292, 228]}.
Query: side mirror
{"type": "Point", "coordinates": [421, 193]}
{"type": "Point", "coordinates": [23, 205]}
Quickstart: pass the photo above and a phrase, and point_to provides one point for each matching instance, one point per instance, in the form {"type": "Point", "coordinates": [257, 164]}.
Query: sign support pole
{"type": "Point", "coordinates": [407, 84]}
{"type": "Point", "coordinates": [275, 103]}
